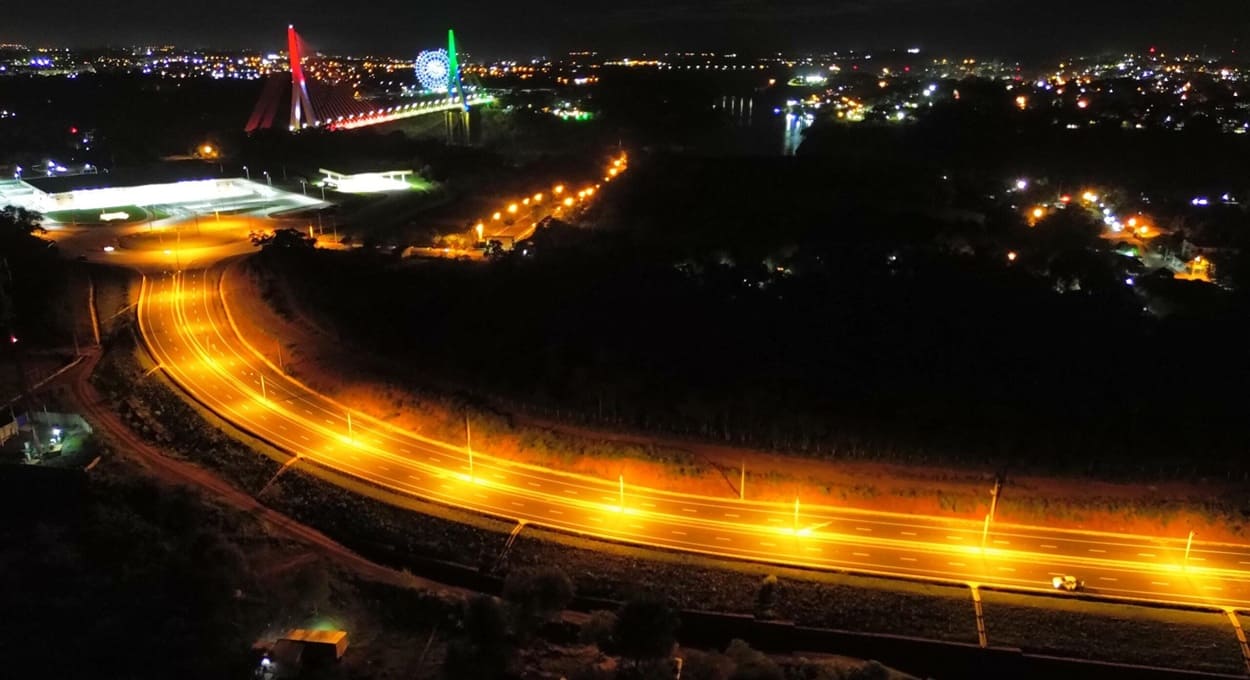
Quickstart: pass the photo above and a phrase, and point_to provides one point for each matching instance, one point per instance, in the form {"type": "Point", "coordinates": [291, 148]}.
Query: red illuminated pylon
{"type": "Point", "coordinates": [301, 106]}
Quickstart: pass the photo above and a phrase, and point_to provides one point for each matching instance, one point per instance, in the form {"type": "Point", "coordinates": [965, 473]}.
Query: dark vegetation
{"type": "Point", "coordinates": [807, 306]}
{"type": "Point", "coordinates": [34, 282]}
{"type": "Point", "coordinates": [142, 575]}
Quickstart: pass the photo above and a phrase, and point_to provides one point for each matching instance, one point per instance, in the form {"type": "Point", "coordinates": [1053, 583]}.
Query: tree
{"type": "Point", "coordinates": [283, 239]}
{"type": "Point", "coordinates": [750, 664]}
{"type": "Point", "coordinates": [537, 594]}
{"type": "Point", "coordinates": [700, 665]}
{"type": "Point", "coordinates": [19, 223]}
{"type": "Point", "coordinates": [484, 622]}
{"type": "Point", "coordinates": [312, 585]}
{"type": "Point", "coordinates": [486, 648]}
{"type": "Point", "coordinates": [646, 628]}
{"type": "Point", "coordinates": [598, 631]}
{"type": "Point", "coordinates": [873, 670]}
{"type": "Point", "coordinates": [494, 250]}
{"type": "Point", "coordinates": [766, 598]}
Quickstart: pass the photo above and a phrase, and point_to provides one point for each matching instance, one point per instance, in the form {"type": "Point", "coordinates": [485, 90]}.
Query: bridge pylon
{"type": "Point", "coordinates": [302, 114]}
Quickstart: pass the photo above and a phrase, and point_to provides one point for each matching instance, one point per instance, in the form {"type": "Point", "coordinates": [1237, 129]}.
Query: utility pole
{"type": "Point", "coordinates": [621, 480]}
{"type": "Point", "coordinates": [263, 393]}
{"type": "Point", "coordinates": [279, 345]}
{"type": "Point", "coordinates": [1188, 544]}
{"type": "Point", "coordinates": [796, 516]}
{"type": "Point", "coordinates": [350, 434]}
{"type": "Point", "coordinates": [985, 532]}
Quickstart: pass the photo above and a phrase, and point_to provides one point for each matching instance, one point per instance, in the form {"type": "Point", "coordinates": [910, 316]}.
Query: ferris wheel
{"type": "Point", "coordinates": [433, 68]}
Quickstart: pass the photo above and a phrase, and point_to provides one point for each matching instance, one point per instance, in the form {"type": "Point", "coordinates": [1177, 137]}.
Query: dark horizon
{"type": "Point", "coordinates": [1014, 29]}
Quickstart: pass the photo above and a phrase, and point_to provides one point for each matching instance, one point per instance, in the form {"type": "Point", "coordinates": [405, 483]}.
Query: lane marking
{"type": "Point", "coordinates": [722, 539]}
{"type": "Point", "coordinates": [688, 510]}
{"type": "Point", "coordinates": [954, 538]}
{"type": "Point", "coordinates": [1151, 555]}
{"type": "Point", "coordinates": [1048, 546]}
{"type": "Point", "coordinates": [678, 533]}
{"type": "Point", "coordinates": [866, 529]}
{"type": "Point", "coordinates": [957, 564]}
{"type": "Point", "coordinates": [908, 533]}
{"type": "Point", "coordinates": [768, 545]}
{"type": "Point", "coordinates": [731, 515]}
{"type": "Point", "coordinates": [1000, 541]}
{"type": "Point", "coordinates": [908, 559]}
{"type": "Point", "coordinates": [1158, 583]}
{"type": "Point", "coordinates": [1097, 550]}
{"type": "Point", "coordinates": [858, 554]}
{"type": "Point", "coordinates": [1107, 578]}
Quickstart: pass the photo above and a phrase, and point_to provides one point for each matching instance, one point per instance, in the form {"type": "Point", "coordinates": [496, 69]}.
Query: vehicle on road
{"type": "Point", "coordinates": [1067, 582]}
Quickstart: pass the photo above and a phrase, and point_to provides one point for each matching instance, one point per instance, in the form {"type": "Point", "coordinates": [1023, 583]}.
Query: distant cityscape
{"type": "Point", "coordinates": [1147, 90]}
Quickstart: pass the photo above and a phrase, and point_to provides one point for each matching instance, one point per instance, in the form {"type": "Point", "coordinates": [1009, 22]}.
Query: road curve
{"type": "Point", "coordinates": [186, 325]}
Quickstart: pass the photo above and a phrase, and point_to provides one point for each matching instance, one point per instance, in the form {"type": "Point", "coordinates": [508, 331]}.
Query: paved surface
{"type": "Point", "coordinates": [186, 322]}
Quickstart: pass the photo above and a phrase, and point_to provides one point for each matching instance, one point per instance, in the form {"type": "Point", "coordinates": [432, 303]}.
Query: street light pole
{"type": "Point", "coordinates": [742, 483]}
{"type": "Point", "coordinates": [1188, 544]}
{"type": "Point", "coordinates": [998, 487]}
{"type": "Point", "coordinates": [350, 435]}
{"type": "Point", "coordinates": [621, 480]}
{"type": "Point", "coordinates": [263, 393]}
{"type": "Point", "coordinates": [468, 444]}
{"type": "Point", "coordinates": [247, 173]}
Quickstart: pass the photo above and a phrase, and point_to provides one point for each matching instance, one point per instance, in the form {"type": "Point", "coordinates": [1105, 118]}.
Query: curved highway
{"type": "Point", "coordinates": [186, 324]}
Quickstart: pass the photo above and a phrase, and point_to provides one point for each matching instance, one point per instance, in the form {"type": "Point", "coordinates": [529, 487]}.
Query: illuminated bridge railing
{"type": "Point", "coordinates": [398, 112]}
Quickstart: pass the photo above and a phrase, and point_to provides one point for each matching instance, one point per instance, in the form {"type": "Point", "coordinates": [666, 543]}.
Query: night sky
{"type": "Point", "coordinates": [494, 28]}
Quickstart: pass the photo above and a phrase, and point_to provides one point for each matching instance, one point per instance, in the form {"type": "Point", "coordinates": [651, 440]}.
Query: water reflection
{"type": "Point", "coordinates": [762, 128]}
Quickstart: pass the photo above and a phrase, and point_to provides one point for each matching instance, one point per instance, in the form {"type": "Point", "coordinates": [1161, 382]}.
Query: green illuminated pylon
{"type": "Point", "coordinates": [454, 87]}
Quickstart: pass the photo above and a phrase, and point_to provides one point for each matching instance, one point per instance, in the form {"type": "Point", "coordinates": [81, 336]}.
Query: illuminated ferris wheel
{"type": "Point", "coordinates": [433, 68]}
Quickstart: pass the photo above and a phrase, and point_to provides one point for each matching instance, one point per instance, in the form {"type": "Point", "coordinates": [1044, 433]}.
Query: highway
{"type": "Point", "coordinates": [186, 323]}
